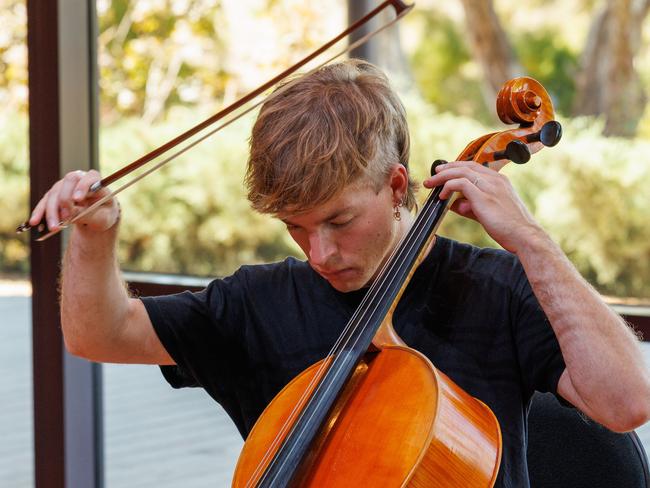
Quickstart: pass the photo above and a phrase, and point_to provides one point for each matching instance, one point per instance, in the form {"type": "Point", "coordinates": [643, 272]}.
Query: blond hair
{"type": "Point", "coordinates": [323, 131]}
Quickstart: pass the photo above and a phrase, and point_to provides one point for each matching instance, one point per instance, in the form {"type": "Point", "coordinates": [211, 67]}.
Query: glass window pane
{"type": "Point", "coordinates": [644, 431]}
{"type": "Point", "coordinates": [159, 437]}
{"type": "Point", "coordinates": [16, 421]}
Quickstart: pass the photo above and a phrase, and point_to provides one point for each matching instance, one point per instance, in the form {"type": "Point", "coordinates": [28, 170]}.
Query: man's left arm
{"type": "Point", "coordinates": [605, 375]}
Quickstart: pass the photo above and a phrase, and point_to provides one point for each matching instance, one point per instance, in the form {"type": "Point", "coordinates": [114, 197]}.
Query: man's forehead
{"type": "Point", "coordinates": [344, 201]}
{"type": "Point", "coordinates": [347, 199]}
{"type": "Point", "coordinates": [320, 213]}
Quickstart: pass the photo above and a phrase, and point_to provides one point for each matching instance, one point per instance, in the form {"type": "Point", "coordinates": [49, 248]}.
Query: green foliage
{"type": "Point", "coordinates": [546, 57]}
{"type": "Point", "coordinates": [158, 54]}
{"type": "Point", "coordinates": [449, 78]}
{"type": "Point", "coordinates": [13, 56]}
{"type": "Point", "coordinates": [153, 55]}
{"type": "Point", "coordinates": [442, 65]}
{"type": "Point", "coordinates": [192, 217]}
{"type": "Point", "coordinates": [589, 193]}
{"type": "Point", "coordinates": [14, 187]}
{"type": "Point", "coordinates": [166, 61]}
{"type": "Point", "coordinates": [592, 197]}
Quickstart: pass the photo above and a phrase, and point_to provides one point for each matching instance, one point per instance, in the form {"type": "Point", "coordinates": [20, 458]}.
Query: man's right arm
{"type": "Point", "coordinates": [100, 321]}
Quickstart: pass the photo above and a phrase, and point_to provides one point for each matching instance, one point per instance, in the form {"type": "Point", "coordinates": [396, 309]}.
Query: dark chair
{"type": "Point", "coordinates": [567, 450]}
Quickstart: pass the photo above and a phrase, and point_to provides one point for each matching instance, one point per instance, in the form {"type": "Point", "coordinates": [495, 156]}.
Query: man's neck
{"type": "Point", "coordinates": [408, 219]}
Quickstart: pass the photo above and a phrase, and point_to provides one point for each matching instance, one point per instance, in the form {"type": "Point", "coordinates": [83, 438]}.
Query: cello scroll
{"type": "Point", "coordinates": [522, 101]}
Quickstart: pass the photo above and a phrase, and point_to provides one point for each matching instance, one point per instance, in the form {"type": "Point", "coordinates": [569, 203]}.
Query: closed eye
{"type": "Point", "coordinates": [340, 223]}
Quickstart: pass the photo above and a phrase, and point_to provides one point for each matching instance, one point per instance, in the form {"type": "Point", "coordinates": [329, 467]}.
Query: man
{"type": "Point", "coordinates": [329, 156]}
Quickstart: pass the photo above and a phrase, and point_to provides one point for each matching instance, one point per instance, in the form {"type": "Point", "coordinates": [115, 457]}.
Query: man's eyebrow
{"type": "Point", "coordinates": [332, 216]}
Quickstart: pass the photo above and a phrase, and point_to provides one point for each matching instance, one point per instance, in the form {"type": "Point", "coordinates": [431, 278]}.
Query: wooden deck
{"type": "Point", "coordinates": [155, 436]}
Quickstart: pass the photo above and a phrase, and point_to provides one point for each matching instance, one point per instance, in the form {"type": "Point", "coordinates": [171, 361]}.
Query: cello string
{"type": "Point", "coordinates": [385, 290]}
{"type": "Point", "coordinates": [92, 208]}
{"type": "Point", "coordinates": [321, 371]}
{"type": "Point", "coordinates": [415, 233]}
{"type": "Point", "coordinates": [342, 341]}
{"type": "Point", "coordinates": [340, 344]}
{"type": "Point", "coordinates": [389, 276]}
{"type": "Point", "coordinates": [327, 367]}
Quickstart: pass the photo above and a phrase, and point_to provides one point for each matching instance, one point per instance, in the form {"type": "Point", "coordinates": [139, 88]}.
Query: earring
{"type": "Point", "coordinates": [396, 213]}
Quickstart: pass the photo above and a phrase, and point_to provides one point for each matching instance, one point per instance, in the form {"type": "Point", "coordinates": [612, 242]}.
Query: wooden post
{"type": "Point", "coordinates": [62, 135]}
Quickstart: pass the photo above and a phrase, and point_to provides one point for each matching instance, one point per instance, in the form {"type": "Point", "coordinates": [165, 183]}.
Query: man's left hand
{"type": "Point", "coordinates": [487, 197]}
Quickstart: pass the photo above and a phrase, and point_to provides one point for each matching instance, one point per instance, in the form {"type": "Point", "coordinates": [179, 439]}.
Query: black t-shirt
{"type": "Point", "coordinates": [471, 311]}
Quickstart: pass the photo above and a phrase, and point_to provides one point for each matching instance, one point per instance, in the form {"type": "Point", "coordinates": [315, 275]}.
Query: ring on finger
{"type": "Point", "coordinates": [476, 181]}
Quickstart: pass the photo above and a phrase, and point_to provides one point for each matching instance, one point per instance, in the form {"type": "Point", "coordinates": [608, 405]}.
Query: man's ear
{"type": "Point", "coordinates": [399, 182]}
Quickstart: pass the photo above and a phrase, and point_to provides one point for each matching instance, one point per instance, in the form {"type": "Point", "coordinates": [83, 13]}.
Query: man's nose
{"type": "Point", "coordinates": [321, 248]}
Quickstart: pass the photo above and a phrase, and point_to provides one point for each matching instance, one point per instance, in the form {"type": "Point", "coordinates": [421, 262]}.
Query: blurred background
{"type": "Point", "coordinates": [165, 65]}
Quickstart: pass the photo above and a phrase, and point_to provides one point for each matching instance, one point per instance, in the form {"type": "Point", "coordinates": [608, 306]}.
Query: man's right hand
{"type": "Point", "coordinates": [100, 322]}
{"type": "Point", "coordinates": [69, 196]}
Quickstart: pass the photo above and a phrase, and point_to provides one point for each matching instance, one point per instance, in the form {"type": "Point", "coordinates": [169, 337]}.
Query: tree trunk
{"type": "Point", "coordinates": [490, 47]}
{"type": "Point", "coordinates": [384, 49]}
{"type": "Point", "coordinates": [608, 83]}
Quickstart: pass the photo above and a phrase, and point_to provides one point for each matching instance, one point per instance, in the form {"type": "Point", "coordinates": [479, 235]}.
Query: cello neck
{"type": "Point", "coordinates": [380, 299]}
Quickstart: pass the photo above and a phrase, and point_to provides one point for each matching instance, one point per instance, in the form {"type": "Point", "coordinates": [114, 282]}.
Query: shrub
{"type": "Point", "coordinates": [192, 217]}
{"type": "Point", "coordinates": [14, 187]}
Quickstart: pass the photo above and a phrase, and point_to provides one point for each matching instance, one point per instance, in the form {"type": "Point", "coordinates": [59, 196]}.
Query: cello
{"type": "Point", "coordinates": [375, 412]}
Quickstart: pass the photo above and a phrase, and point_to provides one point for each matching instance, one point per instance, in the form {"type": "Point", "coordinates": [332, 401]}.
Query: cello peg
{"type": "Point", "coordinates": [516, 151]}
{"type": "Point", "coordinates": [549, 135]}
{"type": "Point", "coordinates": [435, 164]}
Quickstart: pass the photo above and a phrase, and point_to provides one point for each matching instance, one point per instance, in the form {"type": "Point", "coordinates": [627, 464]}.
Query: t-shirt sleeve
{"type": "Point", "coordinates": [199, 332]}
{"type": "Point", "coordinates": [538, 351]}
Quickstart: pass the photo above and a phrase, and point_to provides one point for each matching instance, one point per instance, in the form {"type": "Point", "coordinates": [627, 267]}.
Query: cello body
{"type": "Point", "coordinates": [399, 422]}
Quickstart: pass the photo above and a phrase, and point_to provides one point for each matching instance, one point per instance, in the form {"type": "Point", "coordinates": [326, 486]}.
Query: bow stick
{"type": "Point", "coordinates": [401, 9]}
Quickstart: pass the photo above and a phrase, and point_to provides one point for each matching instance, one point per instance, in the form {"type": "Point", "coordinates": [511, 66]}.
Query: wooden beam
{"type": "Point", "coordinates": [62, 133]}
{"type": "Point", "coordinates": [42, 38]}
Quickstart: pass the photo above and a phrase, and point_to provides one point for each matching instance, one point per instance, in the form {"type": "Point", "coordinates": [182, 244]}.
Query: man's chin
{"type": "Point", "coordinates": [345, 280]}
{"type": "Point", "coordinates": [347, 285]}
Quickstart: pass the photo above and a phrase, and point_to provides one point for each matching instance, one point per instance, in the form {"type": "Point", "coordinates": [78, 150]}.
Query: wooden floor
{"type": "Point", "coordinates": [156, 437]}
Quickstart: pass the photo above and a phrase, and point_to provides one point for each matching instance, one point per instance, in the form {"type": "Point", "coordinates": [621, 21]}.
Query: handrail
{"type": "Point", "coordinates": [150, 284]}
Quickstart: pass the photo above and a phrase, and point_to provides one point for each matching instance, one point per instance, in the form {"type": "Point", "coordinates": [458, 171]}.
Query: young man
{"type": "Point", "coordinates": [329, 156]}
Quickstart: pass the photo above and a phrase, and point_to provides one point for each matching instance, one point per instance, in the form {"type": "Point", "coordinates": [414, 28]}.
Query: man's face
{"type": "Point", "coordinates": [347, 238]}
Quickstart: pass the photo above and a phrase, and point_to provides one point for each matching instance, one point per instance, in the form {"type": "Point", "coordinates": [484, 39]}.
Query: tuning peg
{"type": "Point", "coordinates": [435, 164]}
{"type": "Point", "coordinates": [549, 135]}
{"type": "Point", "coordinates": [516, 151]}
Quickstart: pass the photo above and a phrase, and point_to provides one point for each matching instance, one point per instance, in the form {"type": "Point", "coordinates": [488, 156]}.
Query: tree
{"type": "Point", "coordinates": [156, 54]}
{"type": "Point", "coordinates": [607, 82]}
{"type": "Point", "coordinates": [490, 47]}
{"type": "Point", "coordinates": [13, 57]}
{"type": "Point", "coordinates": [384, 49]}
